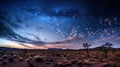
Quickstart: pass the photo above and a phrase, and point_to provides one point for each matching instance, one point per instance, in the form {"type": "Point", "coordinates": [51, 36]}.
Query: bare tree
{"type": "Point", "coordinates": [105, 48]}
{"type": "Point", "coordinates": [86, 46]}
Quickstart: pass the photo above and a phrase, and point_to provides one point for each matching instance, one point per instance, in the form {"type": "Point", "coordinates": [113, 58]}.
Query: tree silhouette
{"type": "Point", "coordinates": [86, 46]}
{"type": "Point", "coordinates": [105, 48]}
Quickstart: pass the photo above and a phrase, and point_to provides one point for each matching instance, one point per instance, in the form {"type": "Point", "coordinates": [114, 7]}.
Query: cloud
{"type": "Point", "coordinates": [25, 45]}
{"type": "Point", "coordinates": [38, 43]}
{"type": "Point", "coordinates": [7, 32]}
{"type": "Point", "coordinates": [68, 40]}
{"type": "Point", "coordinates": [6, 27]}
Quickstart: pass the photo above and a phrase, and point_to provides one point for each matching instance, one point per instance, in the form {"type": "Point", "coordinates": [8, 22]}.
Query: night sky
{"type": "Point", "coordinates": [64, 24]}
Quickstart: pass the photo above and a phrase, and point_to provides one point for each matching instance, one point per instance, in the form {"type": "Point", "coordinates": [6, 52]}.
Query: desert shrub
{"type": "Point", "coordinates": [68, 64]}
{"type": "Point", "coordinates": [29, 59]}
{"type": "Point", "coordinates": [106, 65]}
{"type": "Point", "coordinates": [38, 58]}
{"type": "Point", "coordinates": [50, 60]}
{"type": "Point", "coordinates": [47, 62]}
{"type": "Point", "coordinates": [30, 65]}
{"type": "Point", "coordinates": [109, 65]}
{"type": "Point", "coordinates": [1, 59]}
{"type": "Point", "coordinates": [11, 59]}
{"type": "Point", "coordinates": [74, 62]}
{"type": "Point", "coordinates": [80, 64]}
{"type": "Point", "coordinates": [4, 57]}
{"type": "Point", "coordinates": [20, 59]}
{"type": "Point", "coordinates": [4, 63]}
{"type": "Point", "coordinates": [60, 65]}
{"type": "Point", "coordinates": [15, 56]}
{"type": "Point", "coordinates": [58, 55]}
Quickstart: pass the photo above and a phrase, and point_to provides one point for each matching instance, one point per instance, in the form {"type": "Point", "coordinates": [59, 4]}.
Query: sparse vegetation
{"type": "Point", "coordinates": [105, 56]}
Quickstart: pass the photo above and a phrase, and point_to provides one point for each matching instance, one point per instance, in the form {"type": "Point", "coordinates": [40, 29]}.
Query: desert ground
{"type": "Point", "coordinates": [59, 58]}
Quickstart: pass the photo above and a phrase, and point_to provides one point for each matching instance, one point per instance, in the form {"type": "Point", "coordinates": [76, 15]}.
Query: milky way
{"type": "Point", "coordinates": [59, 23]}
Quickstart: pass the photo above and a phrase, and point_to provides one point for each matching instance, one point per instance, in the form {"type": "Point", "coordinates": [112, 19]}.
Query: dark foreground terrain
{"type": "Point", "coordinates": [59, 58]}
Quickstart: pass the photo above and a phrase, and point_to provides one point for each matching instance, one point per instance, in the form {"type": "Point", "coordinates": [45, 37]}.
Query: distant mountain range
{"type": "Point", "coordinates": [8, 48]}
